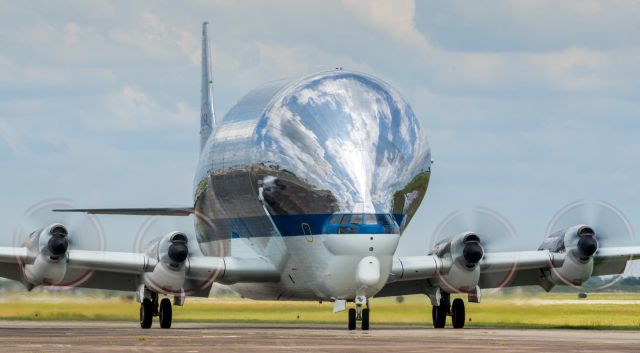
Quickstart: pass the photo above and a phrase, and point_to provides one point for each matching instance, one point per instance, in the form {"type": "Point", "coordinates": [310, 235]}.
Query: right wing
{"type": "Point", "coordinates": [167, 211]}
{"type": "Point", "coordinates": [451, 270]}
{"type": "Point", "coordinates": [173, 266]}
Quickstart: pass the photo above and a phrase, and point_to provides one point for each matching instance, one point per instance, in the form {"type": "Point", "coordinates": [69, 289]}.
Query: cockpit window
{"type": "Point", "coordinates": [384, 219]}
{"type": "Point", "coordinates": [370, 219]}
{"type": "Point", "coordinates": [360, 223]}
{"type": "Point", "coordinates": [335, 219]}
{"type": "Point", "coordinates": [356, 218]}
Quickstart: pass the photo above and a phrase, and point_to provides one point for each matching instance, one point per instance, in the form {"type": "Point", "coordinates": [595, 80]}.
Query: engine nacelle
{"type": "Point", "coordinates": [171, 253]}
{"type": "Point", "coordinates": [579, 244]}
{"type": "Point", "coordinates": [47, 248]}
{"type": "Point", "coordinates": [460, 257]}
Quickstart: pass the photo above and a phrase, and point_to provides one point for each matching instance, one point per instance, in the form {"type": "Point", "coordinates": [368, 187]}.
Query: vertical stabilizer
{"type": "Point", "coordinates": [207, 112]}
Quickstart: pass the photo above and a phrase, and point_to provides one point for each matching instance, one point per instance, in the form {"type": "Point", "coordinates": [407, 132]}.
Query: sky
{"type": "Point", "coordinates": [528, 105]}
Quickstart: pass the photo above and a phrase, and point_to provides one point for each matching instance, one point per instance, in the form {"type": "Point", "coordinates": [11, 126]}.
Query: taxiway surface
{"type": "Point", "coordinates": [41, 336]}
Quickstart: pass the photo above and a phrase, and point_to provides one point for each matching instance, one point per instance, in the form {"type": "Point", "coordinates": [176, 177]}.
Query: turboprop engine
{"type": "Point", "coordinates": [460, 257]}
{"type": "Point", "coordinates": [46, 262]}
{"type": "Point", "coordinates": [171, 254]}
{"type": "Point", "coordinates": [579, 244]}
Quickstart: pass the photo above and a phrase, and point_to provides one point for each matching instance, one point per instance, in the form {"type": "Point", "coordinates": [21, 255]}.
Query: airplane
{"type": "Point", "coordinates": [302, 192]}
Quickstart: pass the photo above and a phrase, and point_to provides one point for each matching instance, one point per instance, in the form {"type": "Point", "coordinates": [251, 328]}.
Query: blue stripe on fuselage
{"type": "Point", "coordinates": [300, 225]}
{"type": "Point", "coordinates": [314, 224]}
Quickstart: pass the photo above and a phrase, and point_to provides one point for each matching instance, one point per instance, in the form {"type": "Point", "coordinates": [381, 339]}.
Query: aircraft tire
{"type": "Point", "coordinates": [146, 313]}
{"type": "Point", "coordinates": [457, 313]}
{"type": "Point", "coordinates": [352, 319]}
{"type": "Point", "coordinates": [365, 319]}
{"type": "Point", "coordinates": [165, 314]}
{"type": "Point", "coordinates": [439, 315]}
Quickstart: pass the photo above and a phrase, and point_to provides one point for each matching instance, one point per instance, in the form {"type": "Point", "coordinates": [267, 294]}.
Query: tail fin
{"type": "Point", "coordinates": [207, 112]}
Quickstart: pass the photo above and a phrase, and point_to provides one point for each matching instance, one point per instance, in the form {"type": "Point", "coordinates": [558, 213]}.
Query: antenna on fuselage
{"type": "Point", "coordinates": [207, 111]}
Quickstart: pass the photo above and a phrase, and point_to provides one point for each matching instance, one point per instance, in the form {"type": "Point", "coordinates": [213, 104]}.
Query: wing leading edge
{"type": "Point", "coordinates": [167, 211]}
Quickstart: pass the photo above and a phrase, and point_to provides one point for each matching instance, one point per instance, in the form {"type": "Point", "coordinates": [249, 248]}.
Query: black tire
{"type": "Point", "coordinates": [457, 313]}
{"type": "Point", "coordinates": [165, 314]}
{"type": "Point", "coordinates": [365, 319]}
{"type": "Point", "coordinates": [434, 311]}
{"type": "Point", "coordinates": [352, 319]}
{"type": "Point", "coordinates": [439, 314]}
{"type": "Point", "coordinates": [146, 313]}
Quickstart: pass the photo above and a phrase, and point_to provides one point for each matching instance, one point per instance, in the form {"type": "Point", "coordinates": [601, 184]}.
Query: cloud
{"type": "Point", "coordinates": [394, 17]}
{"type": "Point", "coordinates": [530, 25]}
{"type": "Point", "coordinates": [11, 138]}
{"type": "Point", "coordinates": [522, 100]}
{"type": "Point", "coordinates": [131, 108]}
{"type": "Point", "coordinates": [159, 37]}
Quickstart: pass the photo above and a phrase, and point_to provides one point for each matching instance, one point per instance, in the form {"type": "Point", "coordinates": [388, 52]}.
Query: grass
{"type": "Point", "coordinates": [554, 310]}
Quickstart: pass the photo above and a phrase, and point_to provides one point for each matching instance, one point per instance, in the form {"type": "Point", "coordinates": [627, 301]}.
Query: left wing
{"type": "Point", "coordinates": [173, 265]}
{"type": "Point", "coordinates": [461, 265]}
{"type": "Point", "coordinates": [166, 211]}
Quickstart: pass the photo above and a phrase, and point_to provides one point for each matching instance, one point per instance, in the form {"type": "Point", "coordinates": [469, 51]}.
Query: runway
{"type": "Point", "coordinates": [47, 336]}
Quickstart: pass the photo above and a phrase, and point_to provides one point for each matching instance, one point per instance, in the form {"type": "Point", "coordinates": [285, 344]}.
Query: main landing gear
{"type": "Point", "coordinates": [359, 313]}
{"type": "Point", "coordinates": [455, 310]}
{"type": "Point", "coordinates": [149, 307]}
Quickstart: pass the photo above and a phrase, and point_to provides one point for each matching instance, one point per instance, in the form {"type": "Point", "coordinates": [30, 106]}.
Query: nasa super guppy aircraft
{"type": "Point", "coordinates": [302, 192]}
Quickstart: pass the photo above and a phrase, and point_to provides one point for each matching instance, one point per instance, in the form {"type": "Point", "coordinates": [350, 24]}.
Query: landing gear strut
{"type": "Point", "coordinates": [360, 313]}
{"type": "Point", "coordinates": [456, 311]}
{"type": "Point", "coordinates": [149, 307]}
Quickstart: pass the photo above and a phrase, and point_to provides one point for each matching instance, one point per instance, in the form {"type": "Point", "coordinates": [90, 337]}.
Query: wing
{"type": "Point", "coordinates": [173, 265]}
{"type": "Point", "coordinates": [171, 211]}
{"type": "Point", "coordinates": [454, 270]}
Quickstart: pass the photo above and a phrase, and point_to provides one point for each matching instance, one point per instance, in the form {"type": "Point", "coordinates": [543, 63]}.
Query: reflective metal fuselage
{"type": "Point", "coordinates": [316, 174]}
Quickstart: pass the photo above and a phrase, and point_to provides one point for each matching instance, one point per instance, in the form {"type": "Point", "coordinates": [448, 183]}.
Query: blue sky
{"type": "Point", "coordinates": [529, 105]}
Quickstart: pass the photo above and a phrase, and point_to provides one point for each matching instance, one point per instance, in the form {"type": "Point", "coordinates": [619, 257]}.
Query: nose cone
{"type": "Point", "coordinates": [368, 271]}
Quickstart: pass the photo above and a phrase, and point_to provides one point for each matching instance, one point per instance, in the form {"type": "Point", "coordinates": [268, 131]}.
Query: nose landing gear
{"type": "Point", "coordinates": [359, 313]}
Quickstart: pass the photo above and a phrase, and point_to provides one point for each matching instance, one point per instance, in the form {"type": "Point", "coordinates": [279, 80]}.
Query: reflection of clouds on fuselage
{"type": "Point", "coordinates": [330, 142]}
{"type": "Point", "coordinates": [347, 133]}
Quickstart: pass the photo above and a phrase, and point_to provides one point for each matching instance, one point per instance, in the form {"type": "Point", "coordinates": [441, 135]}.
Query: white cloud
{"type": "Point", "coordinates": [11, 137]}
{"type": "Point", "coordinates": [517, 96]}
{"type": "Point", "coordinates": [158, 36]}
{"type": "Point", "coordinates": [131, 108]}
{"type": "Point", "coordinates": [394, 17]}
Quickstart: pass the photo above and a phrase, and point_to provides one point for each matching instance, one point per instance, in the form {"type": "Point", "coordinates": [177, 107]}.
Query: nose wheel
{"type": "Point", "coordinates": [359, 313]}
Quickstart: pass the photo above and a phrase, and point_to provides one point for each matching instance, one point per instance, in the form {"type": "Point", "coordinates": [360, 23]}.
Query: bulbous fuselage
{"type": "Point", "coordinates": [316, 174]}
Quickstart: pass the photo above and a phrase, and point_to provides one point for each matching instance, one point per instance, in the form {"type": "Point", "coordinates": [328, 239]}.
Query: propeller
{"type": "Point", "coordinates": [604, 226]}
{"type": "Point", "coordinates": [494, 231]}
{"type": "Point", "coordinates": [486, 231]}
{"type": "Point", "coordinates": [155, 227]}
{"type": "Point", "coordinates": [68, 230]}
{"type": "Point", "coordinates": [184, 243]}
